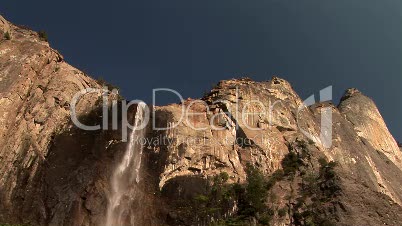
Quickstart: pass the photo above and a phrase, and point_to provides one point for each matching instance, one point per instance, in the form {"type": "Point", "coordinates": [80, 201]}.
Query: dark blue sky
{"type": "Point", "coordinates": [188, 45]}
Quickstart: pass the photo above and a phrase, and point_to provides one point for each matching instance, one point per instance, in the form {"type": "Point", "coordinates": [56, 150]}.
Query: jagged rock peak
{"type": "Point", "coordinates": [20, 33]}
{"type": "Point", "coordinates": [349, 93]}
{"type": "Point", "coordinates": [368, 123]}
{"type": "Point", "coordinates": [276, 87]}
{"type": "Point", "coordinates": [274, 82]}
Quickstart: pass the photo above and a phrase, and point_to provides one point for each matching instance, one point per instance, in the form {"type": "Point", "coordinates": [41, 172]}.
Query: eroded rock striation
{"type": "Point", "coordinates": [53, 173]}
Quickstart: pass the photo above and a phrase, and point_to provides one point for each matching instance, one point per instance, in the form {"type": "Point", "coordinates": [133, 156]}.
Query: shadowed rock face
{"type": "Point", "coordinates": [52, 173]}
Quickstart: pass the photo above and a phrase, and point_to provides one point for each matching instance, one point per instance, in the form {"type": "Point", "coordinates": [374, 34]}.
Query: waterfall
{"type": "Point", "coordinates": [125, 178]}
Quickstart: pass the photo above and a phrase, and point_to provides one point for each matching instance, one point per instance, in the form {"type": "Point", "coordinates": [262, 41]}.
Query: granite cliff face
{"type": "Point", "coordinates": [35, 91]}
{"type": "Point", "coordinates": [53, 173]}
{"type": "Point", "coordinates": [370, 175]}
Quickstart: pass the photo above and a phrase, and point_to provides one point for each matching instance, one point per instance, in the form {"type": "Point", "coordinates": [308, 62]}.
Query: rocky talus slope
{"type": "Point", "coordinates": [249, 154]}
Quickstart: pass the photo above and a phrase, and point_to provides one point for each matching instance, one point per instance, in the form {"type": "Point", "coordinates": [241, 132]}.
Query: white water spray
{"type": "Point", "coordinates": [126, 176]}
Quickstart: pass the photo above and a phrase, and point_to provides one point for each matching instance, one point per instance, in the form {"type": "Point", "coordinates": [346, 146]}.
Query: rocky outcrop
{"type": "Point", "coordinates": [36, 87]}
{"type": "Point", "coordinates": [53, 173]}
{"type": "Point", "coordinates": [367, 121]}
{"type": "Point", "coordinates": [271, 135]}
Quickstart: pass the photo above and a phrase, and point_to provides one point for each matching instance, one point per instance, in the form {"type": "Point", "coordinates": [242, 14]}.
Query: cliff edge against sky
{"type": "Point", "coordinates": [52, 173]}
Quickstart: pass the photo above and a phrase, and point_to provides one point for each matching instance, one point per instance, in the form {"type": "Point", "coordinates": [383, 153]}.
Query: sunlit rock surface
{"type": "Point", "coordinates": [52, 173]}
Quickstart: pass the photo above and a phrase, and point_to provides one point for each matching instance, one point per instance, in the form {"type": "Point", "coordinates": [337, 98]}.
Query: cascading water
{"type": "Point", "coordinates": [124, 182]}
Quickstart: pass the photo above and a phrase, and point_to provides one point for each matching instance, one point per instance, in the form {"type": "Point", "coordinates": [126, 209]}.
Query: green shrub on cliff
{"type": "Point", "coordinates": [43, 36]}
{"type": "Point", "coordinates": [108, 85]}
{"type": "Point", "coordinates": [318, 193]}
{"type": "Point", "coordinates": [291, 163]}
{"type": "Point", "coordinates": [256, 193]}
{"type": "Point", "coordinates": [7, 36]}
